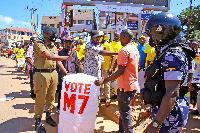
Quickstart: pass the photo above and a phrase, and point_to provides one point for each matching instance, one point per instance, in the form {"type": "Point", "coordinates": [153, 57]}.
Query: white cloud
{"type": "Point", "coordinates": [23, 23]}
{"type": "Point", "coordinates": [6, 20]}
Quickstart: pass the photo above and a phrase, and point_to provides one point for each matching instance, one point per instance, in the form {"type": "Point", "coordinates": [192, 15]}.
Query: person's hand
{"type": "Point", "coordinates": [151, 129]}
{"type": "Point", "coordinates": [72, 50]}
{"type": "Point", "coordinates": [110, 71]}
{"type": "Point", "coordinates": [98, 82]}
{"type": "Point", "coordinates": [67, 73]}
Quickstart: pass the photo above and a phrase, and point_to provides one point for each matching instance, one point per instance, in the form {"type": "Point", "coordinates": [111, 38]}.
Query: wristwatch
{"type": "Point", "coordinates": [156, 124]}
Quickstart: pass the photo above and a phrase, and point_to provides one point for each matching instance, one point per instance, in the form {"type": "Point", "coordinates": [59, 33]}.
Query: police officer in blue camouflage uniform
{"type": "Point", "coordinates": [166, 78]}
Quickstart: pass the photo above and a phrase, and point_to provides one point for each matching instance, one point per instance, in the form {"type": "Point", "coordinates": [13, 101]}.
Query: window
{"type": "Point", "coordinates": [8, 37]}
{"type": "Point", "coordinates": [27, 34]}
{"type": "Point", "coordinates": [74, 21]}
{"type": "Point", "coordinates": [22, 33]}
{"type": "Point", "coordinates": [21, 37]}
{"type": "Point", "coordinates": [30, 34]}
{"type": "Point", "coordinates": [88, 22]}
{"type": "Point", "coordinates": [52, 25]}
{"type": "Point", "coordinates": [14, 37]}
{"type": "Point", "coordinates": [13, 32]}
{"type": "Point", "coordinates": [80, 21]}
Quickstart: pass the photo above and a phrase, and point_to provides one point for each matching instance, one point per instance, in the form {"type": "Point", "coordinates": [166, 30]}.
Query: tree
{"type": "Point", "coordinates": [190, 17]}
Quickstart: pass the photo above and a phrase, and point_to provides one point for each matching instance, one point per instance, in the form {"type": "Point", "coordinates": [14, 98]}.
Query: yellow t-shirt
{"type": "Point", "coordinates": [20, 53]}
{"type": "Point", "coordinates": [150, 51]}
{"type": "Point", "coordinates": [80, 49]}
{"type": "Point", "coordinates": [116, 47]}
{"type": "Point", "coordinates": [107, 59]}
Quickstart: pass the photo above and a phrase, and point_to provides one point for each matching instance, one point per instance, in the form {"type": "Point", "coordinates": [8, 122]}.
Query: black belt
{"type": "Point", "coordinates": [44, 70]}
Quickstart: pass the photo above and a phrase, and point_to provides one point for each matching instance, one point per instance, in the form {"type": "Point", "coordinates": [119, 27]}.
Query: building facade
{"type": "Point", "coordinates": [14, 36]}
{"type": "Point", "coordinates": [83, 18]}
{"type": "Point", "coordinates": [54, 21]}
{"type": "Point", "coordinates": [132, 23]}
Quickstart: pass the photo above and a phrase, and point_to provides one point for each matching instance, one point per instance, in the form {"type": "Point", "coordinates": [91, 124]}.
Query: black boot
{"type": "Point", "coordinates": [49, 120]}
{"type": "Point", "coordinates": [32, 94]}
{"type": "Point", "coordinates": [38, 126]}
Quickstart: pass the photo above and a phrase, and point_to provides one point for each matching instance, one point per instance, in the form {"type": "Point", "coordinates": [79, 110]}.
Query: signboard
{"type": "Point", "coordinates": [146, 16]}
{"type": "Point", "coordinates": [78, 104]}
{"type": "Point", "coordinates": [158, 5]}
{"type": "Point", "coordinates": [115, 8]}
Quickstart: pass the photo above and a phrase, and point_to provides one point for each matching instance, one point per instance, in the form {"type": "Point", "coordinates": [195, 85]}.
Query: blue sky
{"type": "Point", "coordinates": [15, 13]}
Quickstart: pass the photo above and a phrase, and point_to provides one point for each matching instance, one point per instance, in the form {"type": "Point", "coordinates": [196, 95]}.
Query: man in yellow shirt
{"type": "Point", "coordinates": [20, 58]}
{"type": "Point", "coordinates": [116, 45]}
{"type": "Point", "coordinates": [107, 70]}
{"type": "Point", "coordinates": [80, 53]}
{"type": "Point", "coordinates": [149, 54]}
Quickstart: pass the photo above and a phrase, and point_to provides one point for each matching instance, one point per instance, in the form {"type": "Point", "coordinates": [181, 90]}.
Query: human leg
{"type": "Point", "coordinates": [40, 89]}
{"type": "Point", "coordinates": [50, 99]}
{"type": "Point", "coordinates": [124, 100]}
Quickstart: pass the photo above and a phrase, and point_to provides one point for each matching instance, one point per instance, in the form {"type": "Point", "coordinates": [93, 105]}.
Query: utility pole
{"type": "Point", "coordinates": [189, 17]}
{"type": "Point", "coordinates": [32, 12]}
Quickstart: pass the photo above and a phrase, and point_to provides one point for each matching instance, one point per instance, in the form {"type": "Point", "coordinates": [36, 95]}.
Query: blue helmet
{"type": "Point", "coordinates": [163, 28]}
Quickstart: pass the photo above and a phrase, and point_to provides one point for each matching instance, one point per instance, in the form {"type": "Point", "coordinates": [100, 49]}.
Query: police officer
{"type": "Point", "coordinates": [166, 78]}
{"type": "Point", "coordinates": [46, 77]}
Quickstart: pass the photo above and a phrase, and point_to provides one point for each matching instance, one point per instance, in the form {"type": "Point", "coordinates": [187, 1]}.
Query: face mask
{"type": "Point", "coordinates": [53, 38]}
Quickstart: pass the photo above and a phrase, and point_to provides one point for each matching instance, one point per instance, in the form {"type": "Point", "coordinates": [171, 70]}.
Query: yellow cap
{"type": "Point", "coordinates": [143, 37]}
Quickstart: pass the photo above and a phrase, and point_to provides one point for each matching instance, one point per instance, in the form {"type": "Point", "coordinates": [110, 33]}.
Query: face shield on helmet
{"type": "Point", "coordinates": [163, 28]}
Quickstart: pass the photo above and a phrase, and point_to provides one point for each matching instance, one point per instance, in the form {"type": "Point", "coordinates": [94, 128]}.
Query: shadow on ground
{"type": "Point", "coordinates": [22, 94]}
{"type": "Point", "coordinates": [16, 125]}
{"type": "Point", "coordinates": [3, 66]}
{"type": "Point", "coordinates": [26, 106]}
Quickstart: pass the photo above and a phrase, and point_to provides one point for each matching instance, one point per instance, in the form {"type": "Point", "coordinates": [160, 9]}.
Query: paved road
{"type": "Point", "coordinates": [17, 115]}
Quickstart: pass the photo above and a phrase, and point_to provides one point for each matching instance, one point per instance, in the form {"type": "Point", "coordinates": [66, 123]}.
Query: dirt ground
{"type": "Point", "coordinates": [17, 115]}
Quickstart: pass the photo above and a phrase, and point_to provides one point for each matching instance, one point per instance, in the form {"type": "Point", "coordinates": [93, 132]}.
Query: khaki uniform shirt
{"type": "Point", "coordinates": [40, 61]}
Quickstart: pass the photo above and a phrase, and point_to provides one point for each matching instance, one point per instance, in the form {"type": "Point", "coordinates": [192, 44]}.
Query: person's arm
{"type": "Point", "coordinates": [167, 104]}
{"type": "Point", "coordinates": [62, 68]}
{"type": "Point", "coordinates": [112, 65]}
{"type": "Point", "coordinates": [118, 73]}
{"type": "Point", "coordinates": [54, 57]}
{"type": "Point", "coordinates": [102, 70]}
{"type": "Point", "coordinates": [144, 60]}
{"type": "Point", "coordinates": [107, 53]}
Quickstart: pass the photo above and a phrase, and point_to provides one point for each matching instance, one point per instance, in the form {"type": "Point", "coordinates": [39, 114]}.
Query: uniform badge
{"type": "Point", "coordinates": [159, 28]}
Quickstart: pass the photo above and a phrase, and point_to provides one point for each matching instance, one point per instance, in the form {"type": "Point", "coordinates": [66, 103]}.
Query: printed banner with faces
{"type": "Point", "coordinates": [78, 104]}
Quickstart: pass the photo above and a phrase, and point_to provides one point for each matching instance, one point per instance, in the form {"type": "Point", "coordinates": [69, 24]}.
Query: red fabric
{"type": "Point", "coordinates": [9, 51]}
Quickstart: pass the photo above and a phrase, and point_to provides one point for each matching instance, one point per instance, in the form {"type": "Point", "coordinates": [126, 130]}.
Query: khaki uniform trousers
{"type": "Point", "coordinates": [105, 91]}
{"type": "Point", "coordinates": [45, 85]}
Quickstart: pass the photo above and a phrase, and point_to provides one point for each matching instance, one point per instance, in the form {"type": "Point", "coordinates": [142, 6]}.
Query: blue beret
{"type": "Point", "coordinates": [49, 30]}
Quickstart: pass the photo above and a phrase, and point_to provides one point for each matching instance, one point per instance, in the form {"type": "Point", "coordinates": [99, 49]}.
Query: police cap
{"type": "Point", "coordinates": [49, 30]}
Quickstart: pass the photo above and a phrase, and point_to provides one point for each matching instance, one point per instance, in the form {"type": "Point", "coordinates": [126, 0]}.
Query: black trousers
{"type": "Point", "coordinates": [59, 91]}
{"type": "Point", "coordinates": [31, 81]}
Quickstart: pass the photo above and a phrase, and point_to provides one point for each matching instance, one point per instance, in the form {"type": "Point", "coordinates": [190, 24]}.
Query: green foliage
{"type": "Point", "coordinates": [194, 20]}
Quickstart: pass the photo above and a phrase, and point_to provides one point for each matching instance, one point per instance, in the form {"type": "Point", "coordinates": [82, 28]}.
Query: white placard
{"type": "Point", "coordinates": [78, 104]}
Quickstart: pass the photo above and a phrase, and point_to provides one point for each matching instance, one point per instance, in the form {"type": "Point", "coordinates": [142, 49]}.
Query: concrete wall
{"type": "Point", "coordinates": [83, 14]}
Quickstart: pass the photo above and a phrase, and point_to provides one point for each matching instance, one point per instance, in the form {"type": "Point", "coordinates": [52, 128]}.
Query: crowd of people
{"type": "Point", "coordinates": [168, 65]}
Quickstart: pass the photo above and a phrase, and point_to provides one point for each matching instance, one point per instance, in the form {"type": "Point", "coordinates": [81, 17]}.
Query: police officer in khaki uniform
{"type": "Point", "coordinates": [46, 77]}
